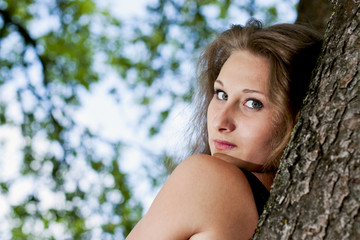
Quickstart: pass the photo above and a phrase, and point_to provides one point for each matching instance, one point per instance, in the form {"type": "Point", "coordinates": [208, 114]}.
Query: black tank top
{"type": "Point", "coordinates": [261, 194]}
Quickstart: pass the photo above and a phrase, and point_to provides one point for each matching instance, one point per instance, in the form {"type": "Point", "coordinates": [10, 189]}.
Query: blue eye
{"type": "Point", "coordinates": [254, 104]}
{"type": "Point", "coordinates": [221, 95]}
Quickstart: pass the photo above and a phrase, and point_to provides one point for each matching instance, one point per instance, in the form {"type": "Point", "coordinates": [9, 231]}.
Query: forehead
{"type": "Point", "coordinates": [244, 69]}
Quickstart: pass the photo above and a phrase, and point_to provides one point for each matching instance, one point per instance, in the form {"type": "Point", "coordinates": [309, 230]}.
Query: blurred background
{"type": "Point", "coordinates": [94, 99]}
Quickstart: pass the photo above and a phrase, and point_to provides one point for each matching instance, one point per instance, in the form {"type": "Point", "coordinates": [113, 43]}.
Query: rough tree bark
{"type": "Point", "coordinates": [316, 193]}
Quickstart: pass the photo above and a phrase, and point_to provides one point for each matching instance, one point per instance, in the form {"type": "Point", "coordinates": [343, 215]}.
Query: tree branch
{"type": "Point", "coordinates": [23, 32]}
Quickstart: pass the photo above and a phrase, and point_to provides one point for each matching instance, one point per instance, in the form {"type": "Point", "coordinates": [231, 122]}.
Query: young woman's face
{"type": "Point", "coordinates": [239, 115]}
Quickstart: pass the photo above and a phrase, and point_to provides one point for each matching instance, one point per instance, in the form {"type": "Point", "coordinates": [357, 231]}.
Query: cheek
{"type": "Point", "coordinates": [257, 141]}
{"type": "Point", "coordinates": [210, 115]}
{"type": "Point", "coordinates": [260, 132]}
{"type": "Point", "coordinates": [209, 123]}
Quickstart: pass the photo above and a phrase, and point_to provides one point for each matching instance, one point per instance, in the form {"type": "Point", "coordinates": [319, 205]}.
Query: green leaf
{"type": "Point", "coordinates": [164, 115]}
{"type": "Point", "coordinates": [109, 228]}
{"type": "Point", "coordinates": [153, 131]}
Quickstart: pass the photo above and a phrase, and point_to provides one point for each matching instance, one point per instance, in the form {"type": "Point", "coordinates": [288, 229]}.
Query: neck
{"type": "Point", "coordinates": [266, 178]}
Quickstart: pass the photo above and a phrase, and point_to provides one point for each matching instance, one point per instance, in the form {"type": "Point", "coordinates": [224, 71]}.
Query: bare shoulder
{"type": "Point", "coordinates": [228, 210]}
{"type": "Point", "coordinates": [208, 162]}
{"type": "Point", "coordinates": [204, 198]}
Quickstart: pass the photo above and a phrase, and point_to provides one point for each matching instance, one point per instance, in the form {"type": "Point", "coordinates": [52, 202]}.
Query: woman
{"type": "Point", "coordinates": [252, 83]}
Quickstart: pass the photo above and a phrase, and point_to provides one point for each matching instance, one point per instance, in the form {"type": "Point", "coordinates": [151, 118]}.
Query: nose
{"type": "Point", "coordinates": [225, 121]}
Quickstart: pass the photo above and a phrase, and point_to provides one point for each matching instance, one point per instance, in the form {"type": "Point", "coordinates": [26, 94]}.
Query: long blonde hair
{"type": "Point", "coordinates": [292, 50]}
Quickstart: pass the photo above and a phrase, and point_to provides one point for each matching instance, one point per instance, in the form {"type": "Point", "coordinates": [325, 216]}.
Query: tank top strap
{"type": "Point", "coordinates": [260, 193]}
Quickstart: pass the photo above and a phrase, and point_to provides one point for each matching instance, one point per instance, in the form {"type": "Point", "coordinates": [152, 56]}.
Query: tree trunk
{"type": "Point", "coordinates": [316, 193]}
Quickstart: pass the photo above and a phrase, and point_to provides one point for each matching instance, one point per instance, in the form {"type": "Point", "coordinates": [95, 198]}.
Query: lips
{"type": "Point", "coordinates": [224, 145]}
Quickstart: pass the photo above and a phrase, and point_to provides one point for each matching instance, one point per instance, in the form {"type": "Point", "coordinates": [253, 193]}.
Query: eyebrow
{"type": "Point", "coordinates": [244, 90]}
{"type": "Point", "coordinates": [219, 81]}
{"type": "Point", "coordinates": [252, 91]}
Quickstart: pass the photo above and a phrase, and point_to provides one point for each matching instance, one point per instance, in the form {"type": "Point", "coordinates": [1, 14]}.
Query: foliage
{"type": "Point", "coordinates": [90, 192]}
{"type": "Point", "coordinates": [42, 69]}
